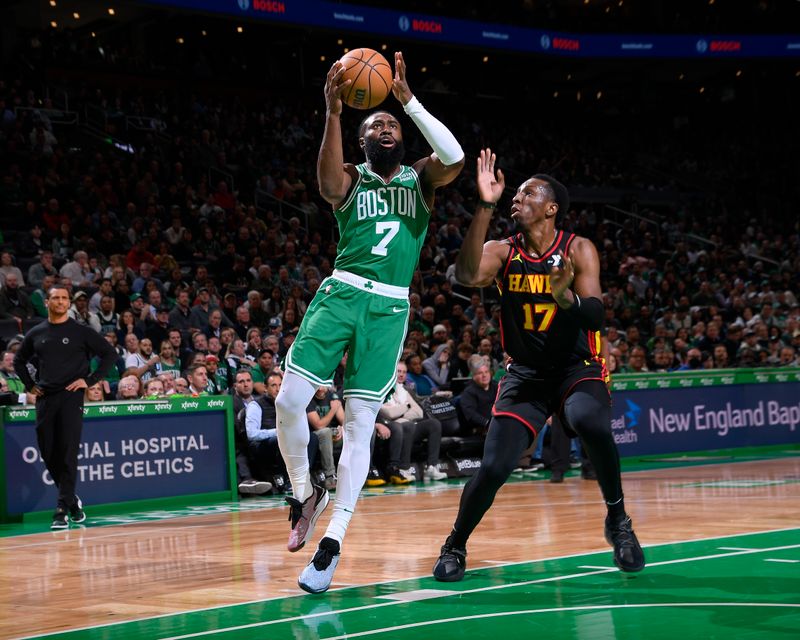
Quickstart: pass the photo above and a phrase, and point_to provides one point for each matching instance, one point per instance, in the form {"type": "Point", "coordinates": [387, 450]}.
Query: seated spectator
{"type": "Point", "coordinates": [261, 371]}
{"type": "Point", "coordinates": [78, 270]}
{"type": "Point", "coordinates": [107, 317]}
{"type": "Point", "coordinates": [142, 362]}
{"type": "Point", "coordinates": [326, 420]}
{"type": "Point", "coordinates": [460, 374]}
{"type": "Point", "coordinates": [9, 397]}
{"type": "Point", "coordinates": [403, 417]}
{"type": "Point", "coordinates": [168, 362]}
{"type": "Point", "coordinates": [154, 388]}
{"type": "Point", "coordinates": [636, 361]}
{"type": "Point", "coordinates": [236, 357]}
{"type": "Point", "coordinates": [720, 355]}
{"type": "Point", "coordinates": [788, 357]}
{"type": "Point", "coordinates": [39, 270]}
{"type": "Point", "coordinates": [418, 381]}
{"type": "Point", "coordinates": [14, 302]}
{"type": "Point", "coordinates": [94, 393]}
{"type": "Point", "coordinates": [197, 377]}
{"type": "Point", "coordinates": [79, 311]}
{"type": "Point", "coordinates": [217, 382]}
{"type": "Point", "coordinates": [7, 268]}
{"type": "Point", "coordinates": [8, 375]}
{"type": "Point", "coordinates": [181, 386]}
{"type": "Point", "coordinates": [437, 367]}
{"type": "Point", "coordinates": [169, 383]}
{"type": "Point", "coordinates": [253, 347]}
{"type": "Point", "coordinates": [128, 388]}
{"type": "Point", "coordinates": [262, 433]}
{"type": "Point", "coordinates": [127, 326]}
{"type": "Point", "coordinates": [477, 399]}
{"type": "Point", "coordinates": [39, 295]}
{"type": "Point", "coordinates": [243, 396]}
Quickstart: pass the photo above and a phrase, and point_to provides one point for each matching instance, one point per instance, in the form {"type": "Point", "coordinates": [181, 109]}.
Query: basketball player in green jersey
{"type": "Point", "coordinates": [383, 209]}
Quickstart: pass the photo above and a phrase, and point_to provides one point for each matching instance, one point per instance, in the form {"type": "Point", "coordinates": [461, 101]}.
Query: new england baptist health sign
{"type": "Point", "coordinates": [129, 451]}
{"type": "Point", "coordinates": [693, 411]}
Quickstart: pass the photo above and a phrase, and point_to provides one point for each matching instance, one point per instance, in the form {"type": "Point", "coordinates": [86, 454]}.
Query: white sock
{"type": "Point", "coordinates": [293, 431]}
{"type": "Point", "coordinates": [359, 423]}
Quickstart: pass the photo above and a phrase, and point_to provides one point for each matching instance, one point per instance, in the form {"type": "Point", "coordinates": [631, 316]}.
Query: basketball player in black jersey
{"type": "Point", "coordinates": [551, 314]}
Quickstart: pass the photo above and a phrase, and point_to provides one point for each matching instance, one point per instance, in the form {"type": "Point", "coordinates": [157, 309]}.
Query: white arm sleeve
{"type": "Point", "coordinates": [440, 138]}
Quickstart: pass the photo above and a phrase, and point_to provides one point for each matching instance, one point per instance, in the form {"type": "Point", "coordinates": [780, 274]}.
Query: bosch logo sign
{"type": "Point", "coordinates": [544, 41]}
{"type": "Point", "coordinates": [244, 5]}
{"type": "Point", "coordinates": [725, 45]}
{"type": "Point", "coordinates": [404, 23]}
{"type": "Point", "coordinates": [428, 26]}
{"type": "Point", "coordinates": [702, 46]}
{"type": "Point", "coordinates": [566, 44]}
{"type": "Point", "coordinates": [269, 6]}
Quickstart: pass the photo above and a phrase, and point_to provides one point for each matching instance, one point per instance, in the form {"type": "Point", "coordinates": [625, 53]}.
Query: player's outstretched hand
{"type": "Point", "coordinates": [562, 273]}
{"type": "Point", "coordinates": [334, 86]}
{"type": "Point", "coordinates": [491, 182]}
{"type": "Point", "coordinates": [400, 87]}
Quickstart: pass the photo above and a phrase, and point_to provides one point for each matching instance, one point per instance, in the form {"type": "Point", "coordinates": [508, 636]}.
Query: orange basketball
{"type": "Point", "coordinates": [371, 76]}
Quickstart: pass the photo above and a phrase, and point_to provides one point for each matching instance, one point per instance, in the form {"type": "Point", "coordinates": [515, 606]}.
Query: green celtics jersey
{"type": "Point", "coordinates": [382, 227]}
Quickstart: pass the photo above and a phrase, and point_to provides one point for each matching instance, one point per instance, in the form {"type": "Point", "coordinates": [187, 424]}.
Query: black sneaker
{"type": "Point", "coordinates": [60, 520]}
{"type": "Point", "coordinates": [251, 486]}
{"type": "Point", "coordinates": [557, 476]}
{"type": "Point", "coordinates": [374, 478]}
{"type": "Point", "coordinates": [628, 554]}
{"type": "Point", "coordinates": [76, 512]}
{"type": "Point", "coordinates": [451, 564]}
{"type": "Point", "coordinates": [588, 472]}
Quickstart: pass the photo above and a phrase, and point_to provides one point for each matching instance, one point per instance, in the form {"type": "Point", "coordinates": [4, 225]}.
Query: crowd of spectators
{"type": "Point", "coordinates": [164, 251]}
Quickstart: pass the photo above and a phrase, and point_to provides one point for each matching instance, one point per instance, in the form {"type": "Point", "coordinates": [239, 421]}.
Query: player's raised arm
{"type": "Point", "coordinates": [334, 180]}
{"type": "Point", "coordinates": [447, 159]}
{"type": "Point", "coordinates": [478, 263]}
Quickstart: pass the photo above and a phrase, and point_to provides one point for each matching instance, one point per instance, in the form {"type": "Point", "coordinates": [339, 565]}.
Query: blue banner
{"type": "Point", "coordinates": [399, 24]}
{"type": "Point", "coordinates": [718, 417]}
{"type": "Point", "coordinates": [123, 459]}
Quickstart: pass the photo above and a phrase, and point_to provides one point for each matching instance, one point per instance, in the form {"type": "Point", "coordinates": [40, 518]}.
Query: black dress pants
{"type": "Point", "coordinates": [59, 422]}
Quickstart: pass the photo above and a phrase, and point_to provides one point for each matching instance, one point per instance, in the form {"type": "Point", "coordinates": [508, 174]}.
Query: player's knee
{"type": "Point", "coordinates": [493, 475]}
{"type": "Point", "coordinates": [587, 415]}
{"type": "Point", "coordinates": [285, 404]}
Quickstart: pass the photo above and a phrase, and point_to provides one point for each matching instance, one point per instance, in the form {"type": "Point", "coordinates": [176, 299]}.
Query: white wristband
{"type": "Point", "coordinates": [440, 138]}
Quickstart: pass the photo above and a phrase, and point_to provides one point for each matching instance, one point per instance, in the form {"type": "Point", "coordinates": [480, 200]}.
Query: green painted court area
{"type": "Point", "coordinates": [735, 587]}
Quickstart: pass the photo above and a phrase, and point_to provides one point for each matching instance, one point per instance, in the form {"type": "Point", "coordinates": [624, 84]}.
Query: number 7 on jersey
{"type": "Point", "coordinates": [390, 228]}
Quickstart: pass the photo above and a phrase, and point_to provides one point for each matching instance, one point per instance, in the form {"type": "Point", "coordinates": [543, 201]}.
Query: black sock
{"type": "Point", "coordinates": [616, 510]}
{"type": "Point", "coordinates": [457, 541]}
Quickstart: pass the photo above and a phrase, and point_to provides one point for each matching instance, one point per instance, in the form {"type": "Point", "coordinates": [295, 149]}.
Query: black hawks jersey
{"type": "Point", "coordinates": [534, 330]}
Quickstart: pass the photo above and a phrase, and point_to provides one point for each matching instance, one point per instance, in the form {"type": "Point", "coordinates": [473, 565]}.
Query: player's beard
{"type": "Point", "coordinates": [382, 159]}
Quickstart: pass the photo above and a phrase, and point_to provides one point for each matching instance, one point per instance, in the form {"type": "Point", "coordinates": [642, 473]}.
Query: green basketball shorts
{"type": "Point", "coordinates": [365, 319]}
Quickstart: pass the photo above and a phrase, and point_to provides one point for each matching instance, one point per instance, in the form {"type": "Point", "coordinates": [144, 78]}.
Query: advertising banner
{"type": "Point", "coordinates": [129, 451]}
{"type": "Point", "coordinates": [377, 21]}
{"type": "Point", "coordinates": [676, 419]}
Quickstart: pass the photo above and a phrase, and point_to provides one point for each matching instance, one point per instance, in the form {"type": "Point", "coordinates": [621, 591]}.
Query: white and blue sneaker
{"type": "Point", "coordinates": [317, 576]}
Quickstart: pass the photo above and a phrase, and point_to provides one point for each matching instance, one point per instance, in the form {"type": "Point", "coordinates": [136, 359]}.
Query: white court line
{"type": "Point", "coordinates": [736, 548]}
{"type": "Point", "coordinates": [509, 585]}
{"type": "Point", "coordinates": [418, 595]}
{"type": "Point", "coordinates": [781, 560]}
{"type": "Point", "coordinates": [590, 566]}
{"type": "Point", "coordinates": [484, 616]}
{"type": "Point", "coordinates": [373, 584]}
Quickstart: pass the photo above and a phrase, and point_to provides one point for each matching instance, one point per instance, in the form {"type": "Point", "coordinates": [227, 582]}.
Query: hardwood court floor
{"type": "Point", "coordinates": [524, 560]}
